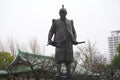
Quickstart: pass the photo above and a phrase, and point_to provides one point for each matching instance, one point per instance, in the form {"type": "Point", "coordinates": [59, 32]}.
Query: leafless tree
{"type": "Point", "coordinates": [1, 46]}
{"type": "Point", "coordinates": [8, 46]}
{"type": "Point", "coordinates": [11, 46]}
{"type": "Point", "coordinates": [89, 56]}
{"type": "Point", "coordinates": [34, 46]}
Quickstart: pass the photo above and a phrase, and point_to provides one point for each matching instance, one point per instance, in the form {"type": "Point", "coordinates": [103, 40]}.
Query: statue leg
{"type": "Point", "coordinates": [58, 69]}
{"type": "Point", "coordinates": [58, 75]}
{"type": "Point", "coordinates": [69, 74]}
{"type": "Point", "coordinates": [68, 68]}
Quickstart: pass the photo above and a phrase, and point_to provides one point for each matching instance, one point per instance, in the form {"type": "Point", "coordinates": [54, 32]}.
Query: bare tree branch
{"type": "Point", "coordinates": [1, 46]}
{"type": "Point", "coordinates": [34, 46]}
{"type": "Point", "coordinates": [89, 56]}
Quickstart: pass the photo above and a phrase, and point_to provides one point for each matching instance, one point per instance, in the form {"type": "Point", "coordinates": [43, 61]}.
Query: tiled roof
{"type": "Point", "coordinates": [24, 60]}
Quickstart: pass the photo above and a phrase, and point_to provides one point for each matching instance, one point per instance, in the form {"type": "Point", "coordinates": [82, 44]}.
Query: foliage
{"type": "Point", "coordinates": [3, 79]}
{"type": "Point", "coordinates": [116, 60]}
{"type": "Point", "coordinates": [118, 48]}
{"type": "Point", "coordinates": [5, 59]}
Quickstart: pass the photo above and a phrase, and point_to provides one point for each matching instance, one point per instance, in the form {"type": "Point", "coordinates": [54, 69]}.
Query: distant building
{"type": "Point", "coordinates": [113, 42]}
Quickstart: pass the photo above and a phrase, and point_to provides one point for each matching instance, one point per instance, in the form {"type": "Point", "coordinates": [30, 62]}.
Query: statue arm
{"type": "Point", "coordinates": [73, 30]}
{"type": "Point", "coordinates": [51, 32]}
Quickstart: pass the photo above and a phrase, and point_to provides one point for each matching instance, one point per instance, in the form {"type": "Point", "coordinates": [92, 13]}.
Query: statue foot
{"type": "Point", "coordinates": [57, 77]}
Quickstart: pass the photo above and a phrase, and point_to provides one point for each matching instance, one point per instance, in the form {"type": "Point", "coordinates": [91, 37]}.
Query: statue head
{"type": "Point", "coordinates": [62, 12]}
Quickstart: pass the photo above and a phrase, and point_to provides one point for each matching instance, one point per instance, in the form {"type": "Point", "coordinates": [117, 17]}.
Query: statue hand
{"type": "Point", "coordinates": [52, 43]}
{"type": "Point", "coordinates": [75, 43]}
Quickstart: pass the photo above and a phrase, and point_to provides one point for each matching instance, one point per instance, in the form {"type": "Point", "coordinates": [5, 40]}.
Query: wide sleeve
{"type": "Point", "coordinates": [51, 31]}
{"type": "Point", "coordinates": [73, 30]}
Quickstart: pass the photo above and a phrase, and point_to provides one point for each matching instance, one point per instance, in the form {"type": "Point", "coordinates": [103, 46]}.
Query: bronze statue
{"type": "Point", "coordinates": [64, 38]}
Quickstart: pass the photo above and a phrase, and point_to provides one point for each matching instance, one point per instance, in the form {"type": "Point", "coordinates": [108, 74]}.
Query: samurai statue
{"type": "Point", "coordinates": [62, 35]}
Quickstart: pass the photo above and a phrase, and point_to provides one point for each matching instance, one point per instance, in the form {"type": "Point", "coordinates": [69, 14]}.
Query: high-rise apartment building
{"type": "Point", "coordinates": [113, 42]}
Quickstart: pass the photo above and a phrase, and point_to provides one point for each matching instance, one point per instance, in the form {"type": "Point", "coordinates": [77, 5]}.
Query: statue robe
{"type": "Point", "coordinates": [64, 36]}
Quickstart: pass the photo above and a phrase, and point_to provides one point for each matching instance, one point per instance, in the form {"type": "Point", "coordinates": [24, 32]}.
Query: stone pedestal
{"type": "Point", "coordinates": [65, 77]}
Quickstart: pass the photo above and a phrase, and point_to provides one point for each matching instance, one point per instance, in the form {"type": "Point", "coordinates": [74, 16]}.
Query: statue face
{"type": "Point", "coordinates": [63, 14]}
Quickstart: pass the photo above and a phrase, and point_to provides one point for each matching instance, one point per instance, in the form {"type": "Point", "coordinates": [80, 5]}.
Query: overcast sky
{"type": "Point", "coordinates": [26, 19]}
